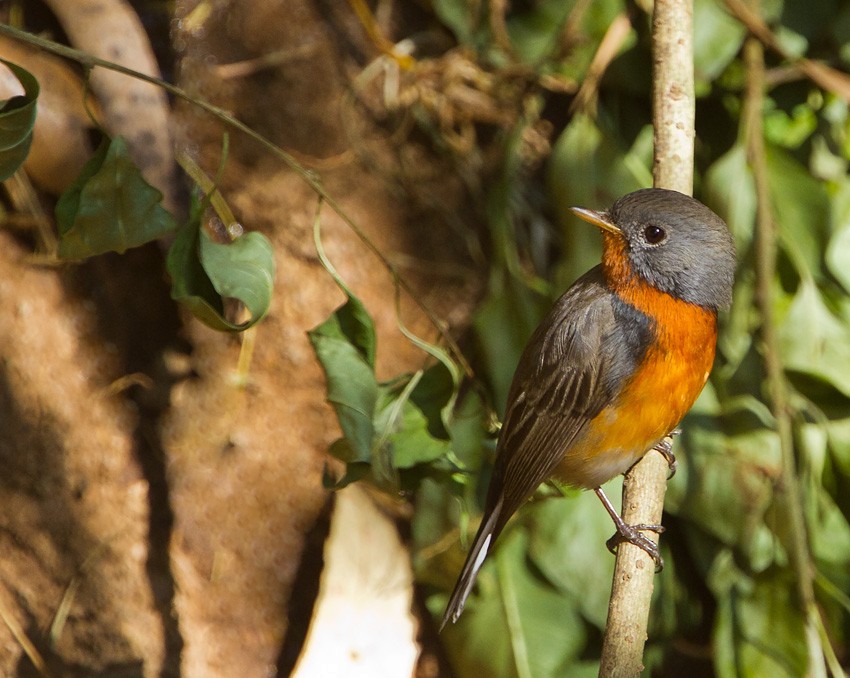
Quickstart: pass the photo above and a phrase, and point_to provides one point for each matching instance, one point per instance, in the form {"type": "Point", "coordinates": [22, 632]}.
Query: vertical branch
{"type": "Point", "coordinates": [646, 482]}
{"type": "Point", "coordinates": [788, 489]}
{"type": "Point", "coordinates": [673, 103]}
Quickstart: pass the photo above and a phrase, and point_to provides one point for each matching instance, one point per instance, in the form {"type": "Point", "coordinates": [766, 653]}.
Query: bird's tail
{"type": "Point", "coordinates": [487, 532]}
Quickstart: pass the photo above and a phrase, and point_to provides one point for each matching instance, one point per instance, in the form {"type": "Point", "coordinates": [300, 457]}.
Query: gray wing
{"type": "Point", "coordinates": [573, 366]}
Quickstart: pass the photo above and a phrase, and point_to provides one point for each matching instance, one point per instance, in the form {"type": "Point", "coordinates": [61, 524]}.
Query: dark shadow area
{"type": "Point", "coordinates": [137, 316]}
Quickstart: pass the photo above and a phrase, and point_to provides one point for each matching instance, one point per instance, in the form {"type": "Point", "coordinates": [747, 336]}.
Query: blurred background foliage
{"type": "Point", "coordinates": [578, 76]}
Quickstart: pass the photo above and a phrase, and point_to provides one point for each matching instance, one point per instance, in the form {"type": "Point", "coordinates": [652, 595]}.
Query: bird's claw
{"type": "Point", "coordinates": [633, 535]}
{"type": "Point", "coordinates": [665, 449]}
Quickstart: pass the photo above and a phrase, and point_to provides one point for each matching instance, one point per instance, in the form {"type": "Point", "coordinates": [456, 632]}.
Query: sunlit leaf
{"type": "Point", "coordinates": [110, 207]}
{"type": "Point", "coordinates": [17, 118]}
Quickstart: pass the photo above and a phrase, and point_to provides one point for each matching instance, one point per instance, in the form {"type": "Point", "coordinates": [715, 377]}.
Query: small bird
{"type": "Point", "coordinates": [615, 364]}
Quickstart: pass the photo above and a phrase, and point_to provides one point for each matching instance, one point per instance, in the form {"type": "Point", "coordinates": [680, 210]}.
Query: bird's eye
{"type": "Point", "coordinates": [654, 234]}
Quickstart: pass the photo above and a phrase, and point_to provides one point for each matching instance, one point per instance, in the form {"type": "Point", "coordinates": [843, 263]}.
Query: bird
{"type": "Point", "coordinates": [615, 364]}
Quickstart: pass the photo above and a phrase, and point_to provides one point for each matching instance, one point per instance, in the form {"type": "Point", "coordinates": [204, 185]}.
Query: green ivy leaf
{"type": "Point", "coordinates": [110, 207]}
{"type": "Point", "coordinates": [403, 427]}
{"type": "Point", "coordinates": [203, 272]}
{"type": "Point", "coordinates": [17, 118]}
{"type": "Point", "coordinates": [352, 388]}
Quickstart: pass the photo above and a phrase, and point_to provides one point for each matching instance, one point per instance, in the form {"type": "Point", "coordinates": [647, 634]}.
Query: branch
{"type": "Point", "coordinates": [646, 482]}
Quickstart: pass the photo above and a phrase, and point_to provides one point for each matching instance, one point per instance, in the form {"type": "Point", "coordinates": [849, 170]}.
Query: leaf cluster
{"type": "Point", "coordinates": [727, 600]}
{"type": "Point", "coordinates": [111, 208]}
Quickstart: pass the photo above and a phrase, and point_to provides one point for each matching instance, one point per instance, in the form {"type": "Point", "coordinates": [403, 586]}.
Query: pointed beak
{"type": "Point", "coordinates": [599, 219]}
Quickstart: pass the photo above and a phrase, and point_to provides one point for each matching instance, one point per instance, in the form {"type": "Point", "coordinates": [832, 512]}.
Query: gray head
{"type": "Point", "coordinates": [675, 243]}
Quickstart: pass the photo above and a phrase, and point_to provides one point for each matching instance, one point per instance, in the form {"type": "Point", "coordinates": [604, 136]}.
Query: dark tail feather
{"type": "Point", "coordinates": [487, 532]}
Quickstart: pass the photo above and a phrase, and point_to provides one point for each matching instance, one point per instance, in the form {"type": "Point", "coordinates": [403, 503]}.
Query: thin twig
{"type": "Point", "coordinates": [310, 178]}
{"type": "Point", "coordinates": [646, 482]}
{"type": "Point", "coordinates": [788, 489]}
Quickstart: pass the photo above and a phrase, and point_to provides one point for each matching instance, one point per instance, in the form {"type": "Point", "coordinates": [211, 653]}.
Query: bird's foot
{"type": "Point", "coordinates": [633, 535]}
{"type": "Point", "coordinates": [665, 448]}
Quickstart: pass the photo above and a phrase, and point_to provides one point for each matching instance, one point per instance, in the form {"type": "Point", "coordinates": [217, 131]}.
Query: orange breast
{"type": "Point", "coordinates": [651, 404]}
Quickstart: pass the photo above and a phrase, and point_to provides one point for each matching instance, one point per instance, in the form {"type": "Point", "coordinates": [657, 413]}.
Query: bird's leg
{"type": "Point", "coordinates": [665, 448]}
{"type": "Point", "coordinates": [631, 533]}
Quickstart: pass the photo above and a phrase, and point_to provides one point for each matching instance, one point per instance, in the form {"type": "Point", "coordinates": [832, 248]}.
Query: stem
{"type": "Point", "coordinates": [646, 482]}
{"type": "Point", "coordinates": [309, 177]}
{"type": "Point", "coordinates": [788, 490]}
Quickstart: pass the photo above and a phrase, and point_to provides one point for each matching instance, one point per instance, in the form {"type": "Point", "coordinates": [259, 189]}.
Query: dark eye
{"type": "Point", "coordinates": [654, 234]}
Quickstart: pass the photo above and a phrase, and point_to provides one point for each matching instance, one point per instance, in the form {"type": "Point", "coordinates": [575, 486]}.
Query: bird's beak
{"type": "Point", "coordinates": [600, 219]}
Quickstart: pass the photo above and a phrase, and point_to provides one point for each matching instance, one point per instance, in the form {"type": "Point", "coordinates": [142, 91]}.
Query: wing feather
{"type": "Point", "coordinates": [561, 383]}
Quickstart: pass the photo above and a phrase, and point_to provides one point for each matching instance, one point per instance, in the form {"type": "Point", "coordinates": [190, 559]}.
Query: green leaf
{"type": "Point", "coordinates": [760, 630]}
{"type": "Point", "coordinates": [352, 387]}
{"type": "Point", "coordinates": [829, 531]}
{"type": "Point", "coordinates": [814, 341]}
{"type": "Point", "coordinates": [732, 472]}
{"type": "Point", "coordinates": [402, 427]}
{"type": "Point", "coordinates": [459, 16]}
{"type": "Point", "coordinates": [503, 324]}
{"type": "Point", "coordinates": [730, 191]}
{"type": "Point", "coordinates": [534, 33]}
{"type": "Point", "coordinates": [717, 39]}
{"type": "Point", "coordinates": [202, 272]}
{"type": "Point", "coordinates": [17, 118]}
{"type": "Point", "coordinates": [509, 627]}
{"type": "Point", "coordinates": [790, 130]}
{"type": "Point", "coordinates": [801, 208]}
{"type": "Point", "coordinates": [110, 207]}
{"type": "Point", "coordinates": [243, 269]}
{"type": "Point", "coordinates": [589, 167]}
{"type": "Point", "coordinates": [567, 543]}
{"type": "Point", "coordinates": [353, 318]}
{"type": "Point", "coordinates": [838, 251]}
